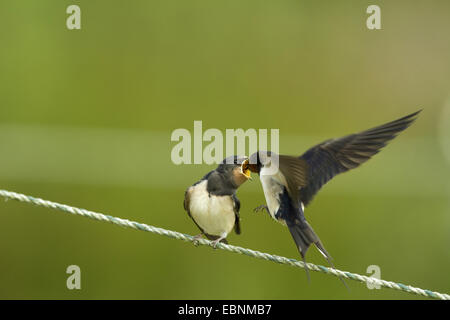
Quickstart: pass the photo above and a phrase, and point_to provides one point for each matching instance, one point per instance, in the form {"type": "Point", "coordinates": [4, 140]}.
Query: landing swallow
{"type": "Point", "coordinates": [292, 187]}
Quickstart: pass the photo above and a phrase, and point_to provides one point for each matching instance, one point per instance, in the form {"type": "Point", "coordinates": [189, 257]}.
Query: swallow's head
{"type": "Point", "coordinates": [237, 168]}
{"type": "Point", "coordinates": [258, 160]}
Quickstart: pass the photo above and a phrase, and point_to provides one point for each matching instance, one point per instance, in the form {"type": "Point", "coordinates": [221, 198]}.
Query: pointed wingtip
{"type": "Point", "coordinates": [409, 119]}
{"type": "Point", "coordinates": [415, 114]}
{"type": "Point", "coordinates": [402, 123]}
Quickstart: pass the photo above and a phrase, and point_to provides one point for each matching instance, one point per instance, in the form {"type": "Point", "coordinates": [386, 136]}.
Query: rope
{"type": "Point", "coordinates": [252, 253]}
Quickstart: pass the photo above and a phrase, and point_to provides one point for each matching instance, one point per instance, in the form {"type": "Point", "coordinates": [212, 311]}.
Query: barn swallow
{"type": "Point", "coordinates": [212, 202]}
{"type": "Point", "coordinates": [291, 188]}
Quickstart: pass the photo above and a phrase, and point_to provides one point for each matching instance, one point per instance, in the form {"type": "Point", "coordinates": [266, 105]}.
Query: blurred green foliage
{"type": "Point", "coordinates": [86, 117]}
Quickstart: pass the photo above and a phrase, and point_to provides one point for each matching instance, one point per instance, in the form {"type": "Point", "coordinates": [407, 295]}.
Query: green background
{"type": "Point", "coordinates": [86, 117]}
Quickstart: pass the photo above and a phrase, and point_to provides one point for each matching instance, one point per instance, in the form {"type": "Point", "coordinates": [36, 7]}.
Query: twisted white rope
{"type": "Point", "coordinates": [252, 253]}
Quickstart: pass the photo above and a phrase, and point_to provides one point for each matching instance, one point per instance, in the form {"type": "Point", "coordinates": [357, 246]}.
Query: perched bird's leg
{"type": "Point", "coordinates": [261, 207]}
{"type": "Point", "coordinates": [215, 242]}
{"type": "Point", "coordinates": [196, 238]}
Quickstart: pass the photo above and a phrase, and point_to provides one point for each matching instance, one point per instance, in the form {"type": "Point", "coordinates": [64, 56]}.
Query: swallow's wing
{"type": "Point", "coordinates": [294, 170]}
{"type": "Point", "coordinates": [187, 198]}
{"type": "Point", "coordinates": [237, 208]}
{"type": "Point", "coordinates": [335, 156]}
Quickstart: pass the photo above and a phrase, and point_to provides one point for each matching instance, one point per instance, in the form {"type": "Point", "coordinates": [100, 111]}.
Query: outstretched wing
{"type": "Point", "coordinates": [335, 156]}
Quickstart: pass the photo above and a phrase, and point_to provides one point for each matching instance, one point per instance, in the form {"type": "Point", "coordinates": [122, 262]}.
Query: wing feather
{"type": "Point", "coordinates": [334, 156]}
{"type": "Point", "coordinates": [237, 208]}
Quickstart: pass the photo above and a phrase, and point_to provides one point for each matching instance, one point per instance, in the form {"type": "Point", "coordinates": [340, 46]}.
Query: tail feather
{"type": "Point", "coordinates": [304, 236]}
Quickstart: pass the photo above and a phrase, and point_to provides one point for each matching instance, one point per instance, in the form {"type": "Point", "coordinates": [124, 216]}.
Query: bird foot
{"type": "Point", "coordinates": [260, 208]}
{"type": "Point", "coordinates": [216, 242]}
{"type": "Point", "coordinates": [196, 238]}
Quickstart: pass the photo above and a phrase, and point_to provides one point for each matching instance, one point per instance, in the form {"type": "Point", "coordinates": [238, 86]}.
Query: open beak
{"type": "Point", "coordinates": [245, 170]}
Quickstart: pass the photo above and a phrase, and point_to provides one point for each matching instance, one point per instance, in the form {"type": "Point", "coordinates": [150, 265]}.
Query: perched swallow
{"type": "Point", "coordinates": [212, 202]}
{"type": "Point", "coordinates": [292, 187]}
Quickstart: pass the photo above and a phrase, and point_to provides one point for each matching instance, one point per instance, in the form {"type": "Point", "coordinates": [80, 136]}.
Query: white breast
{"type": "Point", "coordinates": [214, 214]}
{"type": "Point", "coordinates": [272, 186]}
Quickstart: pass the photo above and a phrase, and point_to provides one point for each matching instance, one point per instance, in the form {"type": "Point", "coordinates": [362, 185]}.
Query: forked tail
{"type": "Point", "coordinates": [304, 236]}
